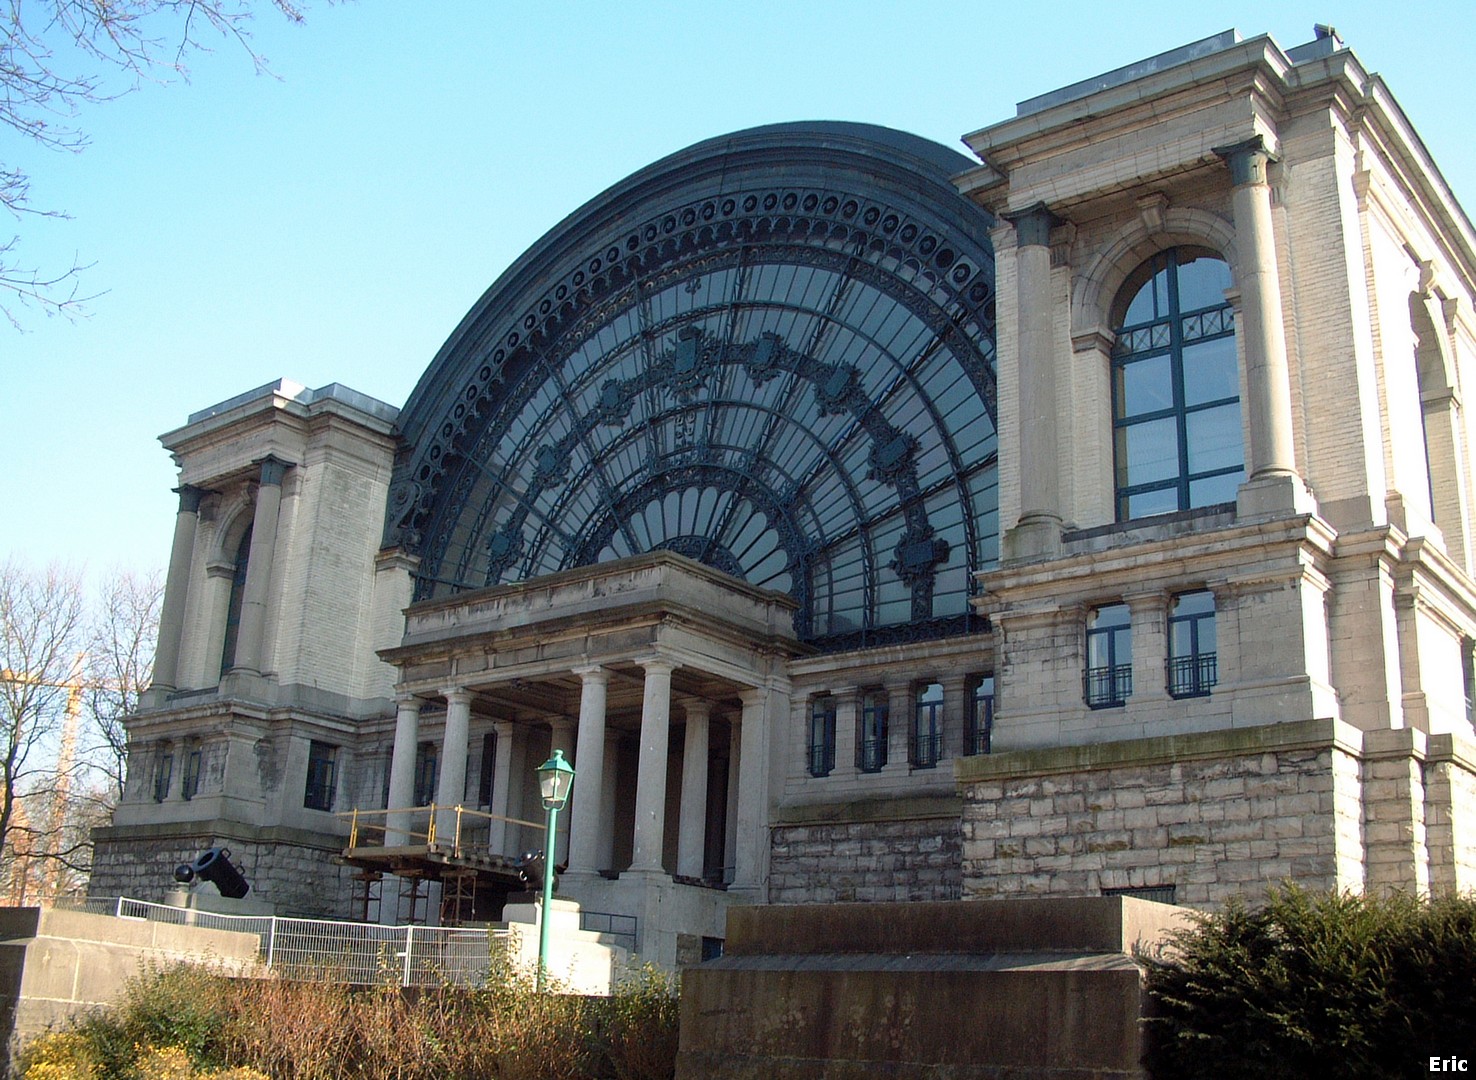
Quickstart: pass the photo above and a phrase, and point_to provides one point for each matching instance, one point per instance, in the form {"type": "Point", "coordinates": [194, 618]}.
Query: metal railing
{"type": "Point", "coordinates": [461, 829]}
{"type": "Point", "coordinates": [621, 927]}
{"type": "Point", "coordinates": [1192, 676]}
{"type": "Point", "coordinates": [1107, 687]}
{"type": "Point", "coordinates": [362, 954]}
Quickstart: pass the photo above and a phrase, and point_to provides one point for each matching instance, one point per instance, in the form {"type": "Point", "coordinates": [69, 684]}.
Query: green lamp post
{"type": "Point", "coordinates": [555, 778]}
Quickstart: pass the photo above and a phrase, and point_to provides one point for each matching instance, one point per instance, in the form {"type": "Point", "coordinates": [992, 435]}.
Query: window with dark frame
{"type": "Point", "coordinates": [190, 782]}
{"type": "Point", "coordinates": [322, 776]}
{"type": "Point", "coordinates": [489, 769]}
{"type": "Point", "coordinates": [163, 773]}
{"type": "Point", "coordinates": [821, 750]}
{"type": "Point", "coordinates": [426, 760]}
{"type": "Point", "coordinates": [980, 734]}
{"type": "Point", "coordinates": [1108, 681]}
{"type": "Point", "coordinates": [927, 727]}
{"type": "Point", "coordinates": [1192, 660]}
{"type": "Point", "coordinates": [871, 734]}
{"type": "Point", "coordinates": [1176, 387]}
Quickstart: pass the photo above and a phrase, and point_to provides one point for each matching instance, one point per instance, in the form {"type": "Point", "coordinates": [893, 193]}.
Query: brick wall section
{"type": "Point", "coordinates": [1215, 815]}
{"type": "Point", "coordinates": [916, 858]}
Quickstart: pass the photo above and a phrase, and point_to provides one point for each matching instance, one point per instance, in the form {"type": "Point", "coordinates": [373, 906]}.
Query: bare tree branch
{"type": "Point", "coordinates": [58, 56]}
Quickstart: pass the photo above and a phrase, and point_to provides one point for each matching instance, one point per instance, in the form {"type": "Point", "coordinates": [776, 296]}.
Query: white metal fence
{"type": "Point", "coordinates": [359, 953]}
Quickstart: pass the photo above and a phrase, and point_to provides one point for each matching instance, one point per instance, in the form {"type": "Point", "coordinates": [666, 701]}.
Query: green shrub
{"type": "Point", "coordinates": [1316, 984]}
{"type": "Point", "coordinates": [639, 1027]}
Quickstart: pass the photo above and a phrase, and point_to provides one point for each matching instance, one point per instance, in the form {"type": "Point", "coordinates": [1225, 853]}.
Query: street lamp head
{"type": "Point", "coordinates": [555, 778]}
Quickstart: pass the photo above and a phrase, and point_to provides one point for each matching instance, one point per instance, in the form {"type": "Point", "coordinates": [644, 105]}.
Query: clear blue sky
{"type": "Point", "coordinates": [335, 223]}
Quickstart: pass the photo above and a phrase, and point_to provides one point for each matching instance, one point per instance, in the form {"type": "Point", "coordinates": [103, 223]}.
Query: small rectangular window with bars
{"type": "Point", "coordinates": [1192, 660]}
{"type": "Point", "coordinates": [871, 733]}
{"type": "Point", "coordinates": [322, 776]}
{"type": "Point", "coordinates": [980, 734]}
{"type": "Point", "coordinates": [821, 745]}
{"type": "Point", "coordinates": [1108, 680]}
{"type": "Point", "coordinates": [927, 727]}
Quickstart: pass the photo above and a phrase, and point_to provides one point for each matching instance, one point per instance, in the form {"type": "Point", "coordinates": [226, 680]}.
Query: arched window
{"type": "Point", "coordinates": [1176, 387]}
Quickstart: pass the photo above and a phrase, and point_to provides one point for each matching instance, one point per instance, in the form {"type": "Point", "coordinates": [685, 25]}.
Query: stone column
{"type": "Point", "coordinates": [176, 592]}
{"type": "Point", "coordinates": [847, 707]}
{"type": "Point", "coordinates": [955, 714]}
{"type": "Point", "coordinates": [1149, 613]}
{"type": "Point", "coordinates": [692, 825]}
{"type": "Point", "coordinates": [758, 710]}
{"type": "Point", "coordinates": [899, 726]}
{"type": "Point", "coordinates": [735, 779]}
{"type": "Point", "coordinates": [497, 831]}
{"type": "Point", "coordinates": [1270, 457]}
{"type": "Point", "coordinates": [650, 808]}
{"type": "Point", "coordinates": [1038, 531]}
{"type": "Point", "coordinates": [605, 850]}
{"type": "Point", "coordinates": [252, 628]}
{"type": "Point", "coordinates": [451, 789]}
{"type": "Point", "coordinates": [589, 780]}
{"type": "Point", "coordinates": [402, 770]}
{"type": "Point", "coordinates": [561, 737]}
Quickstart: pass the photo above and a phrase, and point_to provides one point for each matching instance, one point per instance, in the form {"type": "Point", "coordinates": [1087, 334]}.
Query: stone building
{"type": "Point", "coordinates": [870, 521]}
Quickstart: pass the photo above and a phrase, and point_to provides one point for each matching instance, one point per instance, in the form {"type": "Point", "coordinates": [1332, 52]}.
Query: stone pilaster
{"type": "Point", "coordinates": [259, 562]}
{"type": "Point", "coordinates": [176, 594]}
{"type": "Point", "coordinates": [692, 824]}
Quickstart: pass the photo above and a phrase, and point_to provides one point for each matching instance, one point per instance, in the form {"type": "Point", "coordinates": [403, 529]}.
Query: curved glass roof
{"type": "Point", "coordinates": [772, 352]}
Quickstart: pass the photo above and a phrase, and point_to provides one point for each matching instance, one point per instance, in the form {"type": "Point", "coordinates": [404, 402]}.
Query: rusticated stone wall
{"type": "Point", "coordinates": [851, 852]}
{"type": "Point", "coordinates": [1214, 815]}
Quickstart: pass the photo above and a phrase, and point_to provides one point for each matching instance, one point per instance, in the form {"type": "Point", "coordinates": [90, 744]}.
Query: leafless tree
{"type": "Point", "coordinates": [120, 663]}
{"type": "Point", "coordinates": [41, 632]}
{"type": "Point", "coordinates": [57, 56]}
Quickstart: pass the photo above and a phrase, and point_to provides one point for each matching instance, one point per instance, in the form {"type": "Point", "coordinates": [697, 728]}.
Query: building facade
{"type": "Point", "coordinates": [866, 521]}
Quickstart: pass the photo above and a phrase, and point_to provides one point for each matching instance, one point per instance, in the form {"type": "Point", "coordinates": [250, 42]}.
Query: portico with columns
{"type": "Point", "coordinates": [658, 678]}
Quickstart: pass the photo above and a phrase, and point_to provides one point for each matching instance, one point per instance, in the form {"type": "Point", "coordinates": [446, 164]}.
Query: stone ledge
{"type": "Point", "coordinates": [870, 811]}
{"type": "Point", "coordinates": [1320, 734]}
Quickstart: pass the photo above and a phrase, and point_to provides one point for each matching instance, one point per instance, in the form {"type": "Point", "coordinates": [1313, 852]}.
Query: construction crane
{"type": "Point", "coordinates": [74, 684]}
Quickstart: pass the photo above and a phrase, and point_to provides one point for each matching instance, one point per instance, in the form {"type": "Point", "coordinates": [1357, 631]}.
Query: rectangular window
{"type": "Point", "coordinates": [981, 716]}
{"type": "Point", "coordinates": [1192, 661]}
{"type": "Point", "coordinates": [871, 734]}
{"type": "Point", "coordinates": [190, 782]}
{"type": "Point", "coordinates": [489, 769]}
{"type": "Point", "coordinates": [821, 755]}
{"type": "Point", "coordinates": [425, 774]}
{"type": "Point", "coordinates": [321, 776]}
{"type": "Point", "coordinates": [1468, 677]}
{"type": "Point", "coordinates": [927, 727]}
{"type": "Point", "coordinates": [163, 774]}
{"type": "Point", "coordinates": [1108, 681]}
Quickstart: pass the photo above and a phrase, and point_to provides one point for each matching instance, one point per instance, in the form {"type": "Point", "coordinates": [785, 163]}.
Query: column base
{"type": "Point", "coordinates": [1276, 496]}
{"type": "Point", "coordinates": [1035, 537]}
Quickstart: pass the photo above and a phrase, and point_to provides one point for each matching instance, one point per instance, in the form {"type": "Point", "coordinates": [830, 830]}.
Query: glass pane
{"type": "Point", "coordinates": [1214, 438]}
{"type": "Point", "coordinates": [1113, 615]}
{"type": "Point", "coordinates": [1151, 301]}
{"type": "Point", "coordinates": [1148, 503]}
{"type": "Point", "coordinates": [1215, 489]}
{"type": "Point", "coordinates": [1202, 282]}
{"type": "Point", "coordinates": [1194, 603]}
{"type": "Point", "coordinates": [1122, 646]}
{"type": "Point", "coordinates": [1181, 639]}
{"type": "Point", "coordinates": [1148, 452]}
{"type": "Point", "coordinates": [1206, 627]}
{"type": "Point", "coordinates": [1145, 386]}
{"type": "Point", "coordinates": [932, 694]}
{"type": "Point", "coordinates": [1210, 371]}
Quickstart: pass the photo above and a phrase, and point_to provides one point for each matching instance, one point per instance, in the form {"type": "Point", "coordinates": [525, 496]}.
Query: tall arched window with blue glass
{"type": "Point", "coordinates": [1176, 387]}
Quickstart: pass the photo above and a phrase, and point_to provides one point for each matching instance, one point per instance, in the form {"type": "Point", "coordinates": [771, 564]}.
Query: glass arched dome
{"type": "Point", "coordinates": [772, 352]}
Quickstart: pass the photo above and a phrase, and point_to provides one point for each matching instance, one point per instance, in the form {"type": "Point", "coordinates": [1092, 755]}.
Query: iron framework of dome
{"type": "Point", "coordinates": [772, 352]}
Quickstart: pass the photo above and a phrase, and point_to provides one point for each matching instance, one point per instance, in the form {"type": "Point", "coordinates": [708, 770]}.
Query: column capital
{"type": "Point", "coordinates": [190, 497]}
{"type": "Point", "coordinates": [273, 469]}
{"type": "Point", "coordinates": [697, 707]}
{"type": "Point", "coordinates": [592, 673]}
{"type": "Point", "coordinates": [653, 664]}
{"type": "Point", "coordinates": [404, 699]}
{"type": "Point", "coordinates": [457, 695]}
{"type": "Point", "coordinates": [1033, 224]}
{"type": "Point", "coordinates": [1247, 160]}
